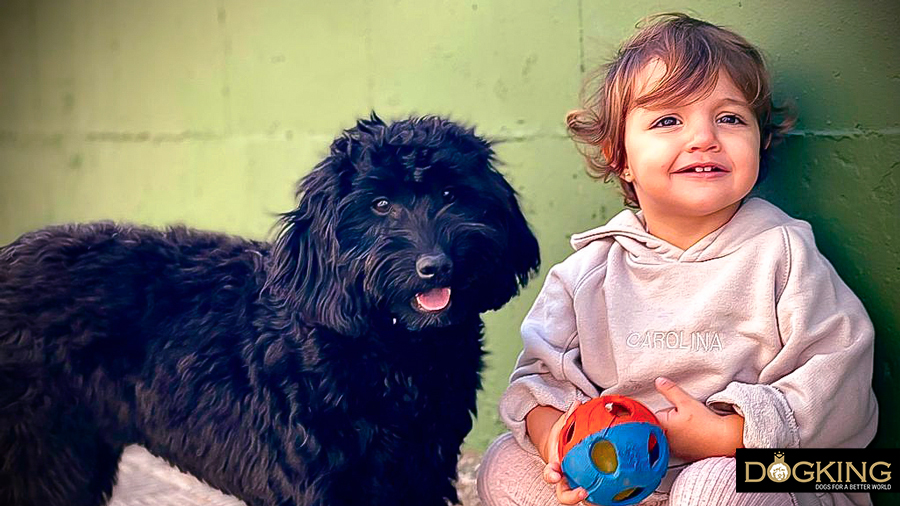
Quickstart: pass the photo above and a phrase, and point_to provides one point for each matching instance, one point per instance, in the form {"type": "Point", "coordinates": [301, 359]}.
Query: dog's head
{"type": "Point", "coordinates": [408, 222]}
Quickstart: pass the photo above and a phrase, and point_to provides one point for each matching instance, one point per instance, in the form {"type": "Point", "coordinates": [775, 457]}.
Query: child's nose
{"type": "Point", "coordinates": [703, 138]}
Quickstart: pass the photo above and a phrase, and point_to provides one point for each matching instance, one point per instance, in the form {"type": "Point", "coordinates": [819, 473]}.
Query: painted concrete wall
{"type": "Point", "coordinates": [207, 111]}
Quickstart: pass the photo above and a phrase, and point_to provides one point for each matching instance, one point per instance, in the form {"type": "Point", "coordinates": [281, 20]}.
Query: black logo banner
{"type": "Point", "coordinates": [816, 469]}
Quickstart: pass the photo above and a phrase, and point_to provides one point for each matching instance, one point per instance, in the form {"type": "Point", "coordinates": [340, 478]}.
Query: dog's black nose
{"type": "Point", "coordinates": [429, 266]}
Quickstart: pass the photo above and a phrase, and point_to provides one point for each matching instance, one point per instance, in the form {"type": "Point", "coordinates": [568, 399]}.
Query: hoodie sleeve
{"type": "Point", "coordinates": [817, 391]}
{"type": "Point", "coordinates": [541, 377]}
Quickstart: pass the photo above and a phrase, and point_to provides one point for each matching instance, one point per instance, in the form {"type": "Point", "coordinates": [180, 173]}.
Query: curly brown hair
{"type": "Point", "coordinates": [693, 52]}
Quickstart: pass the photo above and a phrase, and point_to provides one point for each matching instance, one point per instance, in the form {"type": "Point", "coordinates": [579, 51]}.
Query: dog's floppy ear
{"type": "Point", "coordinates": [522, 255]}
{"type": "Point", "coordinates": [523, 252]}
{"type": "Point", "coordinates": [307, 272]}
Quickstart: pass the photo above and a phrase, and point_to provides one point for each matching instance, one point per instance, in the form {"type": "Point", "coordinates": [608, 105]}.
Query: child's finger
{"type": "Point", "coordinates": [673, 393]}
{"type": "Point", "coordinates": [566, 495]}
{"type": "Point", "coordinates": [551, 473]}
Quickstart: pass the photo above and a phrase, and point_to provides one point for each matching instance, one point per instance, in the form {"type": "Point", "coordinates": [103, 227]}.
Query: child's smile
{"type": "Point", "coordinates": [691, 164]}
{"type": "Point", "coordinates": [703, 170]}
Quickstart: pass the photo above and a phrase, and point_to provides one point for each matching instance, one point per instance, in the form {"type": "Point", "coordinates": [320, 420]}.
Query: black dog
{"type": "Point", "coordinates": [338, 366]}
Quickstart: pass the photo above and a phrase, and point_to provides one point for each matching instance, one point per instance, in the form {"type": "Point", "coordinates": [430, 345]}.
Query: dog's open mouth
{"type": "Point", "coordinates": [432, 301]}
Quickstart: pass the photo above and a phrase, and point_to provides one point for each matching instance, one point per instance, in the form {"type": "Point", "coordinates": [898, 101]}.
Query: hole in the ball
{"type": "Point", "coordinates": [570, 433]}
{"type": "Point", "coordinates": [653, 449]}
{"type": "Point", "coordinates": [617, 410]}
{"type": "Point", "coordinates": [603, 455]}
{"type": "Point", "coordinates": [628, 493]}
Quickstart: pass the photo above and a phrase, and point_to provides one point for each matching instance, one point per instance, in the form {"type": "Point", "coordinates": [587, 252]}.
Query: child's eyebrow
{"type": "Point", "coordinates": [665, 106]}
{"type": "Point", "coordinates": [735, 101]}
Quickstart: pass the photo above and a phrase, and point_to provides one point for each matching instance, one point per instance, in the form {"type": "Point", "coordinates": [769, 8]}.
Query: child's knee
{"type": "Point", "coordinates": [488, 469]}
{"type": "Point", "coordinates": [508, 476]}
{"type": "Point", "coordinates": [712, 481]}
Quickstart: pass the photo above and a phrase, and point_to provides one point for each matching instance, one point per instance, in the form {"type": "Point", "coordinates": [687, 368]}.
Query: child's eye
{"type": "Point", "coordinates": [732, 119]}
{"type": "Point", "coordinates": [667, 121]}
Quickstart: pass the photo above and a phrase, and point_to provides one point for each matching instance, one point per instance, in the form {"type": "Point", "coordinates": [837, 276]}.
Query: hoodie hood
{"type": "Point", "coordinates": [629, 230]}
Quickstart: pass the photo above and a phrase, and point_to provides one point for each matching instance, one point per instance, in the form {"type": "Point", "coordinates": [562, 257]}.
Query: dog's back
{"type": "Point", "coordinates": [85, 311]}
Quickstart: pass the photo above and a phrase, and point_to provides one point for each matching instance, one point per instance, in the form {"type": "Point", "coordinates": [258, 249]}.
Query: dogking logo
{"type": "Point", "coordinates": [815, 470]}
{"type": "Point", "coordinates": [778, 471]}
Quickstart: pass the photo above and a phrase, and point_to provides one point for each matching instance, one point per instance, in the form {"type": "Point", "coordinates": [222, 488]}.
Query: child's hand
{"type": "Point", "coordinates": [552, 473]}
{"type": "Point", "coordinates": [693, 430]}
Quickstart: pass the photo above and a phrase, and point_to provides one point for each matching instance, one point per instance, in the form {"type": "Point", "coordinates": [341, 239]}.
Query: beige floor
{"type": "Point", "coordinates": [145, 480]}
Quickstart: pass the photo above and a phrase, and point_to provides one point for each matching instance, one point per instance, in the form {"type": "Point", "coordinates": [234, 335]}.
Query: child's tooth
{"type": "Point", "coordinates": [707, 169]}
{"type": "Point", "coordinates": [698, 169]}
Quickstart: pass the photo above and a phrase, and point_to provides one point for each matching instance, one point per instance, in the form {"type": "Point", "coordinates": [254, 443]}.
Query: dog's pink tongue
{"type": "Point", "coordinates": [434, 300]}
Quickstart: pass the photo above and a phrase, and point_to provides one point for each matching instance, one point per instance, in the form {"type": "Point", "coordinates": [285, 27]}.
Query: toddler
{"type": "Point", "coordinates": [714, 309]}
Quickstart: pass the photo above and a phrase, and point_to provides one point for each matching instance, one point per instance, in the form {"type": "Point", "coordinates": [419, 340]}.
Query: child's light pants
{"type": "Point", "coordinates": [510, 476]}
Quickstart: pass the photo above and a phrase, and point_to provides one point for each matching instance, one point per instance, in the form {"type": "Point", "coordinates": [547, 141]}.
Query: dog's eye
{"type": "Point", "coordinates": [449, 195]}
{"type": "Point", "coordinates": [381, 205]}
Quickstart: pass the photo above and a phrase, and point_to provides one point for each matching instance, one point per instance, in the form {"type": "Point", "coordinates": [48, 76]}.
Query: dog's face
{"type": "Point", "coordinates": [407, 222]}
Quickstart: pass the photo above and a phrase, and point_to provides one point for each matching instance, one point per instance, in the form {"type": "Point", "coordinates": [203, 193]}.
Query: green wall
{"type": "Point", "coordinates": [207, 111]}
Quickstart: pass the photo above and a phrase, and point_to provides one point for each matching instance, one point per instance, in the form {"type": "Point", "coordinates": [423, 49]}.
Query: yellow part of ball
{"type": "Point", "coordinates": [603, 455]}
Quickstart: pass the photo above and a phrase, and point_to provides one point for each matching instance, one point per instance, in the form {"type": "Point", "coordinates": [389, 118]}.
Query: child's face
{"type": "Point", "coordinates": [664, 146]}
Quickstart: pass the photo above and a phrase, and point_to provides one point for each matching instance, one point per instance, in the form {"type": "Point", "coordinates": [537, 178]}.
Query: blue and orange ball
{"type": "Point", "coordinates": [613, 447]}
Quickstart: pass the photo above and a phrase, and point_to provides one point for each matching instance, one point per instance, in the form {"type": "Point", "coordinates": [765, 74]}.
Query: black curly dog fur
{"type": "Point", "coordinates": [326, 369]}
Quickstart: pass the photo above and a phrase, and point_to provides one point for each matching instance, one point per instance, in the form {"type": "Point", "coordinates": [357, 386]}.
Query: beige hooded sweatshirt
{"type": "Point", "coordinates": [751, 319]}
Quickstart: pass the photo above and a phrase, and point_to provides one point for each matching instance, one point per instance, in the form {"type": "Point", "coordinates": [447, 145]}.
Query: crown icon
{"type": "Point", "coordinates": [779, 456]}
